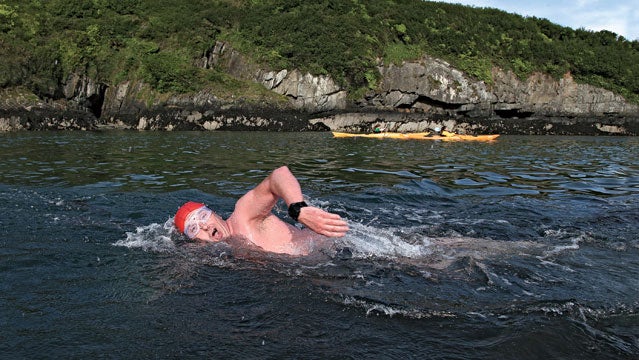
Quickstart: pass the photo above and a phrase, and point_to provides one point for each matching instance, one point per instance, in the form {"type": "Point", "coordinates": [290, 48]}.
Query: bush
{"type": "Point", "coordinates": [158, 41]}
{"type": "Point", "coordinates": [169, 72]}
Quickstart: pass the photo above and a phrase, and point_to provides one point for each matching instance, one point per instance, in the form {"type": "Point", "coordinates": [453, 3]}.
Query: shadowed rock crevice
{"type": "Point", "coordinates": [514, 113]}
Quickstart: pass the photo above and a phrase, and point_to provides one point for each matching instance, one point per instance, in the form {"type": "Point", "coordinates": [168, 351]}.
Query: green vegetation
{"type": "Point", "coordinates": [158, 41]}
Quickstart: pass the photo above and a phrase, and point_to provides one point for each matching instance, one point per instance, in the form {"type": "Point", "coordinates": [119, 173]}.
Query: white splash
{"type": "Point", "coordinates": [366, 241]}
{"type": "Point", "coordinates": [153, 237]}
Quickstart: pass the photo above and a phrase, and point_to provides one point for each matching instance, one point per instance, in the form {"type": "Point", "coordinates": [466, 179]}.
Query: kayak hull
{"type": "Point", "coordinates": [419, 136]}
{"type": "Point", "coordinates": [382, 135]}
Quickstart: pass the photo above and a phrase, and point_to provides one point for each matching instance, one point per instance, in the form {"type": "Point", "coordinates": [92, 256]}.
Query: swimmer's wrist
{"type": "Point", "coordinates": [294, 209]}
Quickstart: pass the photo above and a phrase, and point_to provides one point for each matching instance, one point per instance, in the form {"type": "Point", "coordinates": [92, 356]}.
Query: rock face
{"type": "Point", "coordinates": [84, 93]}
{"type": "Point", "coordinates": [542, 95]}
{"type": "Point", "coordinates": [413, 96]}
{"type": "Point", "coordinates": [429, 85]}
{"type": "Point", "coordinates": [432, 85]}
{"type": "Point", "coordinates": [305, 91]}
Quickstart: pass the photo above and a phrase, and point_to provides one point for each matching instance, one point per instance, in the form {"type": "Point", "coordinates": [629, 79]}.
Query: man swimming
{"type": "Point", "coordinates": [253, 220]}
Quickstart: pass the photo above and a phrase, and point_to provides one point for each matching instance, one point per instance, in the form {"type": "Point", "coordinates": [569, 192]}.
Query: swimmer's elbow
{"type": "Point", "coordinates": [282, 170]}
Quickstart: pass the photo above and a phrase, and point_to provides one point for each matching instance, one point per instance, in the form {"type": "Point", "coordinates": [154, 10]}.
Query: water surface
{"type": "Point", "coordinates": [523, 248]}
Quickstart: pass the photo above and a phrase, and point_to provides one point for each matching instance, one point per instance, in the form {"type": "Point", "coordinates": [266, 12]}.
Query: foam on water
{"type": "Point", "coordinates": [373, 308]}
{"type": "Point", "coordinates": [153, 237]}
{"type": "Point", "coordinates": [366, 241]}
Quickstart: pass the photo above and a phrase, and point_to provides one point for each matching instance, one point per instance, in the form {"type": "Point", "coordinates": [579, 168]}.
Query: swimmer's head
{"type": "Point", "coordinates": [197, 221]}
{"type": "Point", "coordinates": [183, 213]}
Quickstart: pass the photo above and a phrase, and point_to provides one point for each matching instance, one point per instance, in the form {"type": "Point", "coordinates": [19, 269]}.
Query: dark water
{"type": "Point", "coordinates": [525, 248]}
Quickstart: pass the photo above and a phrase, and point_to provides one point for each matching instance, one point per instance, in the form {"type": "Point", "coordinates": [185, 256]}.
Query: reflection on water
{"type": "Point", "coordinates": [525, 246]}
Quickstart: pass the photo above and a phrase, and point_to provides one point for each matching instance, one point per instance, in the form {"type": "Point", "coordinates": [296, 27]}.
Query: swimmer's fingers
{"type": "Point", "coordinates": [323, 222]}
{"type": "Point", "coordinates": [337, 230]}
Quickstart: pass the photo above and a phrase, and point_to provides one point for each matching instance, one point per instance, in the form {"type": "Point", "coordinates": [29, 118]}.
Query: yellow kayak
{"type": "Point", "coordinates": [382, 135]}
{"type": "Point", "coordinates": [445, 136]}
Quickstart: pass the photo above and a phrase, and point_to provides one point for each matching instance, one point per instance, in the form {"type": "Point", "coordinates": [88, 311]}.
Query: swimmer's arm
{"type": "Point", "coordinates": [281, 183]}
{"type": "Point", "coordinates": [258, 203]}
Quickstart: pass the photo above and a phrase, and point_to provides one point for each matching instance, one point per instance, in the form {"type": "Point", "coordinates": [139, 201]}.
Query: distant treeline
{"type": "Point", "coordinates": [158, 41]}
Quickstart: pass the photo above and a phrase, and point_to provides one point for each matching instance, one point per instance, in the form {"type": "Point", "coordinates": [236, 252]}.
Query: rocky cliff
{"type": "Point", "coordinates": [413, 96]}
{"type": "Point", "coordinates": [432, 85]}
{"type": "Point", "coordinates": [429, 93]}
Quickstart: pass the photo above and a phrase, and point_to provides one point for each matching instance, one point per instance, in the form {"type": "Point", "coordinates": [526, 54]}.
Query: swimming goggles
{"type": "Point", "coordinates": [195, 219]}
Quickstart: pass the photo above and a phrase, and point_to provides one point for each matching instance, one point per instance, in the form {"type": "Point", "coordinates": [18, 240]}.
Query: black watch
{"type": "Point", "coordinates": [294, 209]}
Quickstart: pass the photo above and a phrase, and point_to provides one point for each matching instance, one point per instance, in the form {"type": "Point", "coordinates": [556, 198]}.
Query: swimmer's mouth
{"type": "Point", "coordinates": [214, 232]}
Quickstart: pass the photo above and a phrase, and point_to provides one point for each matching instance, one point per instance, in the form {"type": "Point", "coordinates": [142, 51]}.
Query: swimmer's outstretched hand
{"type": "Point", "coordinates": [323, 222]}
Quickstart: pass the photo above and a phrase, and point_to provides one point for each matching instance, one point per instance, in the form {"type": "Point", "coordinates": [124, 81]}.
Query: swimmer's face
{"type": "Point", "coordinates": [204, 224]}
{"type": "Point", "coordinates": [214, 229]}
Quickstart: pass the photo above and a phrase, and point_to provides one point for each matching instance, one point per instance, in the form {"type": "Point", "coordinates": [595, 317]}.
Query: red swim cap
{"type": "Point", "coordinates": [183, 213]}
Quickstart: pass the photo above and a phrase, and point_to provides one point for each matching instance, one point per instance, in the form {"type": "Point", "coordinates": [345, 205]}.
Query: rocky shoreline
{"type": "Point", "coordinates": [278, 119]}
{"type": "Point", "coordinates": [534, 125]}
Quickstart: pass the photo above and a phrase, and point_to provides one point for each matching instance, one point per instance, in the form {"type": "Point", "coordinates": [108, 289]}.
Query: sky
{"type": "Point", "coordinates": [620, 17]}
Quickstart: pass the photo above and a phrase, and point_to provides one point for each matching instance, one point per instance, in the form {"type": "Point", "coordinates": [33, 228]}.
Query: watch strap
{"type": "Point", "coordinates": [294, 209]}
